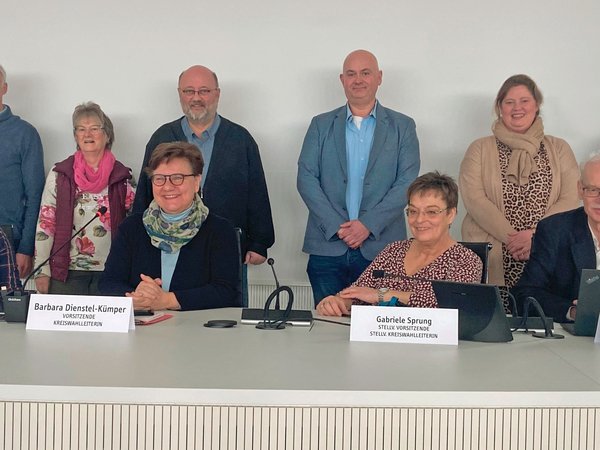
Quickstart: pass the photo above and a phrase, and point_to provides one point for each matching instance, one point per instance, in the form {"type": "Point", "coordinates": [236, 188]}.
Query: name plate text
{"type": "Point", "coordinates": [404, 325]}
{"type": "Point", "coordinates": [80, 313]}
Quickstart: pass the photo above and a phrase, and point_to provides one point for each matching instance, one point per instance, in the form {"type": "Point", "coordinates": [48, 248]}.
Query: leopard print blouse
{"type": "Point", "coordinates": [458, 263]}
{"type": "Point", "coordinates": [524, 206]}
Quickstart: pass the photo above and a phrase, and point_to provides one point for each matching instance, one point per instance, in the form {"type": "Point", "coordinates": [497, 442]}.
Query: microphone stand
{"type": "Point", "coordinates": [548, 334]}
{"type": "Point", "coordinates": [271, 262]}
{"type": "Point", "coordinates": [517, 322]}
{"type": "Point", "coordinates": [16, 304]}
{"type": "Point", "coordinates": [268, 323]}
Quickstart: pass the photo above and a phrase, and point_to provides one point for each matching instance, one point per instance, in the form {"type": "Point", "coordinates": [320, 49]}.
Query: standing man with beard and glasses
{"type": "Point", "coordinates": [233, 182]}
{"type": "Point", "coordinates": [22, 180]}
{"type": "Point", "coordinates": [356, 164]}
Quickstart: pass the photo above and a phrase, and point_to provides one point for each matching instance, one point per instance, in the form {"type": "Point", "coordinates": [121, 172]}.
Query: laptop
{"type": "Point", "coordinates": [480, 313]}
{"type": "Point", "coordinates": [588, 305]}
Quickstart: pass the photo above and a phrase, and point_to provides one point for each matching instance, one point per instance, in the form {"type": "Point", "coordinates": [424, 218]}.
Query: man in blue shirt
{"type": "Point", "coordinates": [355, 166]}
{"type": "Point", "coordinates": [22, 180]}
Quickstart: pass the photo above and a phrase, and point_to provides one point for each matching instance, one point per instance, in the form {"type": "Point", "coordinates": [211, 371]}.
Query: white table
{"type": "Point", "coordinates": [177, 383]}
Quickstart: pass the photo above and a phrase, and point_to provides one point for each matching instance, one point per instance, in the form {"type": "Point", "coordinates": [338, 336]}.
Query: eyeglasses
{"type": "Point", "coordinates": [590, 191]}
{"type": "Point", "coordinates": [96, 129]}
{"type": "Point", "coordinates": [204, 92]}
{"type": "Point", "coordinates": [428, 213]}
{"type": "Point", "coordinates": [176, 179]}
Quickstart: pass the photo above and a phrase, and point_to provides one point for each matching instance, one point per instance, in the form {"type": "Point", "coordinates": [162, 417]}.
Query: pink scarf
{"type": "Point", "coordinates": [90, 180]}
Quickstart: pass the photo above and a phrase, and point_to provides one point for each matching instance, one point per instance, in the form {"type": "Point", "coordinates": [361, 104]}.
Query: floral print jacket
{"type": "Point", "coordinates": [90, 248]}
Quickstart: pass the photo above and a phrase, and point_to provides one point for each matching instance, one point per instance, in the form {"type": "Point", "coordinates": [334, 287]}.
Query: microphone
{"type": "Point", "coordinates": [17, 303]}
{"type": "Point", "coordinates": [271, 262]}
{"type": "Point", "coordinates": [279, 323]}
{"type": "Point", "coordinates": [548, 334]}
{"type": "Point", "coordinates": [276, 324]}
{"type": "Point", "coordinates": [276, 319]}
{"type": "Point", "coordinates": [515, 323]}
{"type": "Point", "coordinates": [101, 211]}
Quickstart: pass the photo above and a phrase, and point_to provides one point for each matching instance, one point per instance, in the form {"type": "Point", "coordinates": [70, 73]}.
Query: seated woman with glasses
{"type": "Point", "coordinates": [176, 255]}
{"type": "Point", "coordinates": [399, 274]}
{"type": "Point", "coordinates": [76, 189]}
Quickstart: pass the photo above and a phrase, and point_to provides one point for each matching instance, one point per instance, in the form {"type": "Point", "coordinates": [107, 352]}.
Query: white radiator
{"type": "Point", "coordinates": [65, 426]}
{"type": "Point", "coordinates": [258, 294]}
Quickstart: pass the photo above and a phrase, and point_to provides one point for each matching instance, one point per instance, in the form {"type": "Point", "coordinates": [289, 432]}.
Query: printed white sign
{"type": "Point", "coordinates": [597, 338]}
{"type": "Point", "coordinates": [406, 325]}
{"type": "Point", "coordinates": [80, 313]}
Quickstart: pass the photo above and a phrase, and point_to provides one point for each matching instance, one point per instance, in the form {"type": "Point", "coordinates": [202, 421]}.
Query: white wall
{"type": "Point", "coordinates": [278, 64]}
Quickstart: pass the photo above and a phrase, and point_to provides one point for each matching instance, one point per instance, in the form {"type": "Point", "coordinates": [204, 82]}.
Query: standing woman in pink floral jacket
{"type": "Point", "coordinates": [75, 190]}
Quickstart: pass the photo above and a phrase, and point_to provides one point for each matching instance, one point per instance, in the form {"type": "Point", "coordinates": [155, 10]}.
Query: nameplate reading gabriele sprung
{"type": "Point", "coordinates": [404, 325]}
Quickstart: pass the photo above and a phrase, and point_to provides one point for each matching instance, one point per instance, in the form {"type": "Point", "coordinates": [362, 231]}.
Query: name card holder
{"type": "Point", "coordinates": [80, 313]}
{"type": "Point", "coordinates": [404, 325]}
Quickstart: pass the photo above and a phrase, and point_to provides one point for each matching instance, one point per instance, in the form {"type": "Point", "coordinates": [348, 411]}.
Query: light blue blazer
{"type": "Point", "coordinates": [322, 177]}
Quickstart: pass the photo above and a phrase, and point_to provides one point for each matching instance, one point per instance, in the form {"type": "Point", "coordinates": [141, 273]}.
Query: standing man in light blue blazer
{"type": "Point", "coordinates": [355, 166]}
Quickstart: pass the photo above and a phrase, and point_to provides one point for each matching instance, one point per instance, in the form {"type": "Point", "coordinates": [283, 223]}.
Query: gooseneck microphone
{"type": "Point", "coordinates": [16, 304]}
{"type": "Point", "coordinates": [548, 334]}
{"type": "Point", "coordinates": [525, 322]}
{"type": "Point", "coordinates": [101, 211]}
{"type": "Point", "coordinates": [276, 324]}
{"type": "Point", "coordinates": [271, 262]}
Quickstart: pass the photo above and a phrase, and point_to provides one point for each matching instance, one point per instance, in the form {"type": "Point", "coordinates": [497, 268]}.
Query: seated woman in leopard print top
{"type": "Point", "coordinates": [431, 254]}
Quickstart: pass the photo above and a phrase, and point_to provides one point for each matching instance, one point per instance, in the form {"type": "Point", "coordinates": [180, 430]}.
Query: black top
{"type": "Point", "coordinates": [206, 274]}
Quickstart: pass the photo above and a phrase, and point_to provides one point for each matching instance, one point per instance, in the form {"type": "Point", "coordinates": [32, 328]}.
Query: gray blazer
{"type": "Point", "coordinates": [322, 176]}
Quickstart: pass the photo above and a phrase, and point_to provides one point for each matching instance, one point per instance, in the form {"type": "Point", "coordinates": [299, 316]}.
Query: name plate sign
{"type": "Point", "coordinates": [80, 313]}
{"type": "Point", "coordinates": [404, 325]}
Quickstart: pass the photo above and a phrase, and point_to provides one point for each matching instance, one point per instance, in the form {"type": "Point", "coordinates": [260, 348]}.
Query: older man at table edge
{"type": "Point", "coordinates": [563, 245]}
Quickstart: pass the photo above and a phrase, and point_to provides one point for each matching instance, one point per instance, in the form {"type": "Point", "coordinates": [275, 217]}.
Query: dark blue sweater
{"type": "Point", "coordinates": [22, 178]}
{"type": "Point", "coordinates": [562, 247]}
{"type": "Point", "coordinates": [234, 187]}
{"type": "Point", "coordinates": [206, 274]}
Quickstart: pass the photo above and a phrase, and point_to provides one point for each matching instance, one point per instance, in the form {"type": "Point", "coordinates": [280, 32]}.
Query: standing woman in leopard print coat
{"type": "Point", "coordinates": [511, 180]}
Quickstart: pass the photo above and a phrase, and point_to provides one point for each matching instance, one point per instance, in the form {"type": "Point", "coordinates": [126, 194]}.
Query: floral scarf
{"type": "Point", "coordinates": [170, 237]}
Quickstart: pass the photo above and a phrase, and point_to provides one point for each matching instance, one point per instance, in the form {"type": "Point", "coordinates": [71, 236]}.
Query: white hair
{"type": "Point", "coordinates": [593, 158]}
{"type": "Point", "coordinates": [2, 74]}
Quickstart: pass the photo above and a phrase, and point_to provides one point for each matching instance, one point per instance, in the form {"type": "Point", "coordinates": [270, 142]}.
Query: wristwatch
{"type": "Point", "coordinates": [380, 293]}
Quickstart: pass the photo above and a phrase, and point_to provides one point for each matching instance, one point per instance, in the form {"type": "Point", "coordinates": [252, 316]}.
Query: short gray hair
{"type": "Point", "coordinates": [93, 109]}
{"type": "Point", "coordinates": [593, 158]}
{"type": "Point", "coordinates": [2, 74]}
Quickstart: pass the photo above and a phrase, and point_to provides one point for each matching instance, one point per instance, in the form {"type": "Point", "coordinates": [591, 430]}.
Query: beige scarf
{"type": "Point", "coordinates": [524, 147]}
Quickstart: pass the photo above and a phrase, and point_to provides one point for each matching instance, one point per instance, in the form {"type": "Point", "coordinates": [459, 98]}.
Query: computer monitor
{"type": "Point", "coordinates": [588, 305]}
{"type": "Point", "coordinates": [481, 316]}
